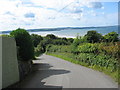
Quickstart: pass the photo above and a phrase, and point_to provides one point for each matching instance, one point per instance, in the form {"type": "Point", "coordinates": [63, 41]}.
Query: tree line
{"type": "Point", "coordinates": [29, 46]}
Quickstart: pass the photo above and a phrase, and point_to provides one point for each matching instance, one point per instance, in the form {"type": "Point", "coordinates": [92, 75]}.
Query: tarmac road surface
{"type": "Point", "coordinates": [52, 72]}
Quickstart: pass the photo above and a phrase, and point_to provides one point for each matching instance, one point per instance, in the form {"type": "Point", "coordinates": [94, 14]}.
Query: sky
{"type": "Point", "coordinates": [34, 14]}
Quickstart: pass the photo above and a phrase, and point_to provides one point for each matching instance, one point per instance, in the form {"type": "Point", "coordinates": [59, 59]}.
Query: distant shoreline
{"type": "Point", "coordinates": [58, 29]}
{"type": "Point", "coordinates": [69, 32]}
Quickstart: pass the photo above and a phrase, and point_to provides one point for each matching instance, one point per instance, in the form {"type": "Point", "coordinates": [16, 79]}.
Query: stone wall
{"type": "Point", "coordinates": [25, 67]}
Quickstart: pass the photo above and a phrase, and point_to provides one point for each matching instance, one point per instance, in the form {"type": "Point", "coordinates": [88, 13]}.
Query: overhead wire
{"type": "Point", "coordinates": [62, 10]}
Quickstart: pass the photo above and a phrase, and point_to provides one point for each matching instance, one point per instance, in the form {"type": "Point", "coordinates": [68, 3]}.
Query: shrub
{"type": "Point", "coordinates": [51, 36]}
{"type": "Point", "coordinates": [36, 39]}
{"type": "Point", "coordinates": [70, 40]}
{"type": "Point", "coordinates": [93, 36]}
{"type": "Point", "coordinates": [43, 44]}
{"type": "Point", "coordinates": [59, 42]}
{"type": "Point", "coordinates": [39, 50]}
{"type": "Point", "coordinates": [111, 49]}
{"type": "Point", "coordinates": [24, 43]}
{"type": "Point", "coordinates": [87, 48]}
{"type": "Point", "coordinates": [59, 48]}
{"type": "Point", "coordinates": [87, 58]}
{"type": "Point", "coordinates": [101, 60]}
{"type": "Point", "coordinates": [111, 37]}
{"type": "Point", "coordinates": [74, 45]}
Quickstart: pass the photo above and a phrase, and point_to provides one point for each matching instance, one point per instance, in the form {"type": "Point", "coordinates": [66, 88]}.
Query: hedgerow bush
{"type": "Point", "coordinates": [113, 49]}
{"type": "Point", "coordinates": [87, 48]}
{"type": "Point", "coordinates": [59, 48]}
{"type": "Point", "coordinates": [36, 39]}
{"type": "Point", "coordinates": [111, 37]}
{"type": "Point", "coordinates": [91, 54]}
{"type": "Point", "coordinates": [24, 44]}
{"type": "Point", "coordinates": [100, 60]}
{"type": "Point", "coordinates": [93, 37]}
{"type": "Point", "coordinates": [38, 50]}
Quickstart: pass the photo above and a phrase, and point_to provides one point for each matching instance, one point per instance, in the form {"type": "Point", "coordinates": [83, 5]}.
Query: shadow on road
{"type": "Point", "coordinates": [40, 72]}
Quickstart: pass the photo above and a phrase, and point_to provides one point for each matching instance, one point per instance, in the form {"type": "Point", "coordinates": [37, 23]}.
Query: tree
{"type": "Point", "coordinates": [43, 44]}
{"type": "Point", "coordinates": [93, 36]}
{"type": "Point", "coordinates": [36, 39]}
{"type": "Point", "coordinates": [70, 40]}
{"type": "Point", "coordinates": [24, 43]}
{"type": "Point", "coordinates": [39, 50]}
{"type": "Point", "coordinates": [60, 42]}
{"type": "Point", "coordinates": [51, 36]}
{"type": "Point", "coordinates": [111, 37]}
{"type": "Point", "coordinates": [64, 39]}
{"type": "Point", "coordinates": [75, 44]}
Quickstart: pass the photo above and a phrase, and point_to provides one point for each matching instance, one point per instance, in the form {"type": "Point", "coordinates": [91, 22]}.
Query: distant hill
{"type": "Point", "coordinates": [57, 29]}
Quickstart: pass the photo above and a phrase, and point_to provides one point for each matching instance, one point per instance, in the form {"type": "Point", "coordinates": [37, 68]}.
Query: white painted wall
{"type": "Point", "coordinates": [10, 71]}
{"type": "Point", "coordinates": [0, 63]}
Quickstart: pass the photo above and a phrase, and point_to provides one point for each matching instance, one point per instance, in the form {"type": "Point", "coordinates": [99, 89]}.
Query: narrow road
{"type": "Point", "coordinates": [52, 72]}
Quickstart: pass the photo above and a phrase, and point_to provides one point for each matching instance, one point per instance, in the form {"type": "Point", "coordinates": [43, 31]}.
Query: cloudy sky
{"type": "Point", "coordinates": [57, 13]}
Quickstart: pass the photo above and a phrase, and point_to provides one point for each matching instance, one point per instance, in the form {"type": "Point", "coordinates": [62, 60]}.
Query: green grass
{"type": "Point", "coordinates": [71, 58]}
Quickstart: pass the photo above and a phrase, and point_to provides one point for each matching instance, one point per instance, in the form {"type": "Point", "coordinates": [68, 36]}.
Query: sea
{"type": "Point", "coordinates": [70, 32]}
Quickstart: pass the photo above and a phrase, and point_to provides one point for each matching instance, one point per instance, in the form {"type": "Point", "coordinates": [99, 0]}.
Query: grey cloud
{"type": "Point", "coordinates": [14, 18]}
{"type": "Point", "coordinates": [29, 15]}
{"type": "Point", "coordinates": [77, 10]}
{"type": "Point", "coordinates": [51, 18]}
{"type": "Point", "coordinates": [95, 5]}
{"type": "Point", "coordinates": [25, 3]}
{"type": "Point", "coordinates": [9, 13]}
{"type": "Point", "coordinates": [28, 24]}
